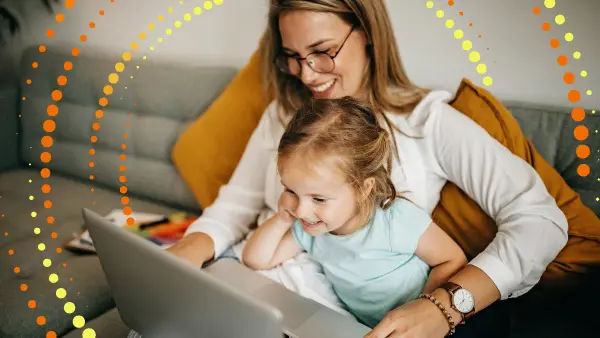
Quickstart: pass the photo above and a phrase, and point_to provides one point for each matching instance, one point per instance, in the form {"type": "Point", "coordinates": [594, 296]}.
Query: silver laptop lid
{"type": "Point", "coordinates": [160, 295]}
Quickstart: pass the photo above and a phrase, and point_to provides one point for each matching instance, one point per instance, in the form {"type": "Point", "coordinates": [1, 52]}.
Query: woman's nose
{"type": "Point", "coordinates": [307, 75]}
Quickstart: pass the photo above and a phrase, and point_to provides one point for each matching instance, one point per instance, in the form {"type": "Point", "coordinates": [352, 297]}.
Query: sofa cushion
{"type": "Point", "coordinates": [152, 108]}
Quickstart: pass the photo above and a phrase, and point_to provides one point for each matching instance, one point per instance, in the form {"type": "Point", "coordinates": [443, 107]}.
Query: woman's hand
{"type": "Point", "coordinates": [195, 248]}
{"type": "Point", "coordinates": [417, 319]}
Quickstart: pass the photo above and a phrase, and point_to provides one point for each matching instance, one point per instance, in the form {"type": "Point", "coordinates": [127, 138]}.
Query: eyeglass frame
{"type": "Point", "coordinates": [300, 60]}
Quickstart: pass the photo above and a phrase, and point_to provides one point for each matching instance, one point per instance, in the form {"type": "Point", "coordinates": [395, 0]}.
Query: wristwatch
{"type": "Point", "coordinates": [461, 299]}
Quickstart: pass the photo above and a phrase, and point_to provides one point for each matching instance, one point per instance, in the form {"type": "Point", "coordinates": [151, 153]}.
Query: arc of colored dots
{"type": "Point", "coordinates": [108, 90]}
{"type": "Point", "coordinates": [451, 3]}
{"type": "Point", "coordinates": [47, 141]}
{"type": "Point", "coordinates": [467, 45]}
{"type": "Point", "coordinates": [581, 132]}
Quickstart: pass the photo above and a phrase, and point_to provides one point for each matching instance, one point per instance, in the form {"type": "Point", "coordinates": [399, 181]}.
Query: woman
{"type": "Point", "coordinates": [336, 48]}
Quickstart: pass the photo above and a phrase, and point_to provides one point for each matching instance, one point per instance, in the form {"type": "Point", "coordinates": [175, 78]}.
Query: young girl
{"type": "Point", "coordinates": [340, 206]}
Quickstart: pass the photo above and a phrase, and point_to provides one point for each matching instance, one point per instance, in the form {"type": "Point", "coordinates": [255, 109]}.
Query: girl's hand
{"type": "Point", "coordinates": [286, 206]}
{"type": "Point", "coordinates": [419, 318]}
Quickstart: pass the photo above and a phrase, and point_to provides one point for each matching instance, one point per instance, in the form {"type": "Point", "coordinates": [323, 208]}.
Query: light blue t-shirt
{"type": "Point", "coordinates": [375, 269]}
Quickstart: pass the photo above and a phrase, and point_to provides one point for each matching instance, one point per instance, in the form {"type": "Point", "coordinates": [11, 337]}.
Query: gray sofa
{"type": "Point", "coordinates": [158, 103]}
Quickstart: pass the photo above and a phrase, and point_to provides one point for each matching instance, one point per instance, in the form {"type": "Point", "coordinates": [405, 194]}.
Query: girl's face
{"type": "Point", "coordinates": [306, 32]}
{"type": "Point", "coordinates": [325, 202]}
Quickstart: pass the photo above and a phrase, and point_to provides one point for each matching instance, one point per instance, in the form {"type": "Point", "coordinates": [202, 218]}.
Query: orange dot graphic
{"type": "Point", "coordinates": [142, 36]}
{"type": "Point", "coordinates": [42, 49]}
{"type": "Point", "coordinates": [57, 95]}
{"type": "Point", "coordinates": [34, 65]}
{"type": "Point", "coordinates": [101, 13]}
{"type": "Point", "coordinates": [127, 210]}
{"type": "Point", "coordinates": [125, 136]}
{"type": "Point", "coordinates": [479, 36]}
{"type": "Point", "coordinates": [546, 26]}
{"type": "Point", "coordinates": [58, 250]}
{"type": "Point", "coordinates": [581, 133]}
{"type": "Point", "coordinates": [450, 3]}
{"type": "Point", "coordinates": [123, 190]}
{"type": "Point", "coordinates": [45, 173]}
{"type": "Point", "coordinates": [61, 80]}
{"type": "Point", "coordinates": [92, 151]}
{"type": "Point", "coordinates": [47, 141]}
{"type": "Point", "coordinates": [134, 46]}
{"type": "Point", "coordinates": [83, 38]}
{"type": "Point", "coordinates": [45, 157]}
{"type": "Point", "coordinates": [562, 60]}
{"type": "Point", "coordinates": [536, 10]}
{"type": "Point", "coordinates": [51, 334]}
{"type": "Point", "coordinates": [17, 269]}
{"type": "Point", "coordinates": [583, 151]}
{"type": "Point", "coordinates": [94, 138]}
{"type": "Point", "coordinates": [470, 24]}
{"type": "Point", "coordinates": [99, 114]}
{"type": "Point", "coordinates": [52, 110]}
{"type": "Point", "coordinates": [41, 320]}
{"type": "Point", "coordinates": [64, 265]}
{"type": "Point", "coordinates": [75, 51]}
{"type": "Point", "coordinates": [96, 126]}
{"type": "Point", "coordinates": [130, 221]}
{"type": "Point", "coordinates": [578, 114]}
{"type": "Point", "coordinates": [91, 164]}
{"type": "Point", "coordinates": [31, 304]}
{"type": "Point", "coordinates": [108, 89]}
{"type": "Point", "coordinates": [124, 200]}
{"type": "Point", "coordinates": [122, 167]}
{"type": "Point", "coordinates": [92, 25]}
{"type": "Point", "coordinates": [583, 170]}
{"type": "Point", "coordinates": [122, 157]}
{"type": "Point", "coordinates": [54, 235]}
{"type": "Point", "coordinates": [91, 177]}
{"type": "Point", "coordinates": [50, 33]}
{"type": "Point", "coordinates": [49, 126]}
{"type": "Point", "coordinates": [68, 65]}
{"type": "Point", "coordinates": [574, 95]}
{"type": "Point", "coordinates": [461, 13]}
{"type": "Point", "coordinates": [103, 102]}
{"type": "Point", "coordinates": [60, 17]}
{"type": "Point", "coordinates": [70, 3]}
{"type": "Point", "coordinates": [47, 204]}
{"type": "Point", "coordinates": [46, 188]}
{"type": "Point", "coordinates": [50, 220]}
{"type": "Point", "coordinates": [554, 43]}
{"type": "Point", "coordinates": [28, 81]}
{"type": "Point", "coordinates": [122, 179]}
{"type": "Point", "coordinates": [11, 252]}
{"type": "Point", "coordinates": [24, 287]}
{"type": "Point", "coordinates": [123, 146]}
{"type": "Point", "coordinates": [569, 78]}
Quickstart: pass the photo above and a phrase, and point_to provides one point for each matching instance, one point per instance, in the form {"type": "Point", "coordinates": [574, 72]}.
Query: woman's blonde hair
{"type": "Point", "coordinates": [389, 86]}
{"type": "Point", "coordinates": [349, 133]}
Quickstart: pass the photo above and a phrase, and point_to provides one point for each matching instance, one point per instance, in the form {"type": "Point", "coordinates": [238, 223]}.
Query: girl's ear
{"type": "Point", "coordinates": [368, 185]}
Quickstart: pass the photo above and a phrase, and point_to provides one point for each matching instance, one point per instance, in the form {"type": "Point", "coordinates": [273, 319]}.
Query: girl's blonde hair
{"type": "Point", "coordinates": [389, 88]}
{"type": "Point", "coordinates": [348, 132]}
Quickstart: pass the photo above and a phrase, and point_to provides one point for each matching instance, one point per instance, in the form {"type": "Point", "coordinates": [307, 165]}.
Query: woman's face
{"type": "Point", "coordinates": [305, 32]}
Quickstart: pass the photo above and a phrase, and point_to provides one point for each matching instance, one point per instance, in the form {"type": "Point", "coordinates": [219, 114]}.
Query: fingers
{"type": "Point", "coordinates": [383, 329]}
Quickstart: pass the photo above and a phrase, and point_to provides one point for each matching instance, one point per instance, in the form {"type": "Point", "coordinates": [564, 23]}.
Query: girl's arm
{"type": "Point", "coordinates": [440, 252]}
{"type": "Point", "coordinates": [271, 244]}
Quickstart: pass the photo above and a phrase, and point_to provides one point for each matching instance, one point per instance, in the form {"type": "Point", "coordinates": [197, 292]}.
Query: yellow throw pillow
{"type": "Point", "coordinates": [208, 151]}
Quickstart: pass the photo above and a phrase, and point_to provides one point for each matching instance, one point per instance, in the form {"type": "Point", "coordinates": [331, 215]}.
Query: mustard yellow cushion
{"type": "Point", "coordinates": [208, 151]}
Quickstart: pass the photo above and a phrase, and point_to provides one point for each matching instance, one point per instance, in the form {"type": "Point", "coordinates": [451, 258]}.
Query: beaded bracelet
{"type": "Point", "coordinates": [444, 311]}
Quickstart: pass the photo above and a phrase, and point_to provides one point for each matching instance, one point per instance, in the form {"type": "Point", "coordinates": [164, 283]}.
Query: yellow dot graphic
{"type": "Point", "coordinates": [458, 34]}
{"type": "Point", "coordinates": [61, 293]}
{"type": "Point", "coordinates": [160, 39]}
{"type": "Point", "coordinates": [559, 19]}
{"type": "Point", "coordinates": [187, 17]}
{"type": "Point", "coordinates": [161, 18]}
{"type": "Point", "coordinates": [467, 45]}
{"type": "Point", "coordinates": [53, 278]}
{"type": "Point", "coordinates": [481, 68]}
{"type": "Point", "coordinates": [69, 307]}
{"type": "Point", "coordinates": [207, 5]}
{"type": "Point", "coordinates": [113, 78]}
{"type": "Point", "coordinates": [47, 263]}
{"type": "Point", "coordinates": [78, 322]}
{"type": "Point", "coordinates": [151, 27]}
{"type": "Point", "coordinates": [197, 10]}
{"type": "Point", "coordinates": [474, 56]}
{"type": "Point", "coordinates": [576, 55]}
{"type": "Point", "coordinates": [487, 81]}
{"type": "Point", "coordinates": [439, 13]}
{"type": "Point", "coordinates": [178, 24]}
{"type": "Point", "coordinates": [429, 4]}
{"type": "Point", "coordinates": [31, 198]}
{"type": "Point", "coordinates": [549, 3]}
{"type": "Point", "coordinates": [218, 2]}
{"type": "Point", "coordinates": [583, 73]}
{"type": "Point", "coordinates": [41, 246]}
{"type": "Point", "coordinates": [170, 9]}
{"type": "Point", "coordinates": [449, 23]}
{"type": "Point", "coordinates": [127, 56]}
{"type": "Point", "coordinates": [37, 231]}
{"type": "Point", "coordinates": [88, 333]}
{"type": "Point", "coordinates": [120, 67]}
{"type": "Point", "coordinates": [33, 214]}
{"type": "Point", "coordinates": [588, 92]}
{"type": "Point", "coordinates": [151, 47]}
{"type": "Point", "coordinates": [169, 31]}
{"type": "Point", "coordinates": [569, 37]}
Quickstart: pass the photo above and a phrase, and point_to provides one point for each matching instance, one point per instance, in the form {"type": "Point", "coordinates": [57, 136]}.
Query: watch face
{"type": "Point", "coordinates": [463, 300]}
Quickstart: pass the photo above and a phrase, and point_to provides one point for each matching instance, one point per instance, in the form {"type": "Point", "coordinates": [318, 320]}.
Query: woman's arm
{"type": "Point", "coordinates": [531, 228]}
{"type": "Point", "coordinates": [440, 252]}
{"type": "Point", "coordinates": [239, 202]}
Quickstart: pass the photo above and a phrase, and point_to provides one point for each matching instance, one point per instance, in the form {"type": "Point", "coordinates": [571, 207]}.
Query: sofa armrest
{"type": "Point", "coordinates": [9, 127]}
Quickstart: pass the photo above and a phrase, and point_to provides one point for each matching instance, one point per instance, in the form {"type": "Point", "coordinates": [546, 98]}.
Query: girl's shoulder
{"type": "Point", "coordinates": [404, 210]}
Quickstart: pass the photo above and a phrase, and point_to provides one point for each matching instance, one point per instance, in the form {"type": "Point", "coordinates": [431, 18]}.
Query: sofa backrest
{"type": "Point", "coordinates": [152, 108]}
{"type": "Point", "coordinates": [551, 130]}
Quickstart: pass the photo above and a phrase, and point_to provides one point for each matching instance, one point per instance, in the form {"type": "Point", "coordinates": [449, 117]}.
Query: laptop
{"type": "Point", "coordinates": [160, 295]}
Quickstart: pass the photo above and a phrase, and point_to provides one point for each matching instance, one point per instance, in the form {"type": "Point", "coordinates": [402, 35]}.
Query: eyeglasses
{"type": "Point", "coordinates": [320, 62]}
